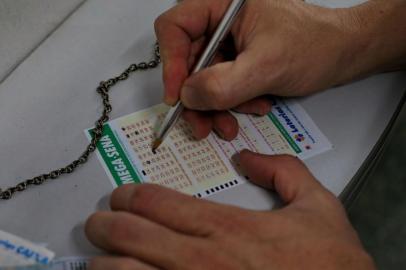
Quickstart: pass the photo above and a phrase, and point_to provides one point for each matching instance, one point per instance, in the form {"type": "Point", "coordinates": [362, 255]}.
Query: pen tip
{"type": "Point", "coordinates": [156, 145]}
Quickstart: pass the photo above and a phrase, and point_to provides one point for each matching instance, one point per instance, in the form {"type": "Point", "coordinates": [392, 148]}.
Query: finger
{"type": "Point", "coordinates": [258, 106]}
{"type": "Point", "coordinates": [196, 50]}
{"type": "Point", "coordinates": [222, 86]}
{"type": "Point", "coordinates": [225, 125]}
{"type": "Point", "coordinates": [175, 60]}
{"type": "Point", "coordinates": [118, 263]}
{"type": "Point", "coordinates": [178, 211]}
{"type": "Point", "coordinates": [286, 174]}
{"type": "Point", "coordinates": [131, 235]}
{"type": "Point", "coordinates": [201, 123]}
{"type": "Point", "coordinates": [176, 30]}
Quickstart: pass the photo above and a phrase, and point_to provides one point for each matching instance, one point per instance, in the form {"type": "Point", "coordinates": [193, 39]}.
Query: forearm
{"type": "Point", "coordinates": [380, 36]}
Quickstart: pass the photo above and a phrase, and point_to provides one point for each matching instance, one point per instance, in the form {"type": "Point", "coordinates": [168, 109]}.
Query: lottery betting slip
{"type": "Point", "coordinates": [202, 168]}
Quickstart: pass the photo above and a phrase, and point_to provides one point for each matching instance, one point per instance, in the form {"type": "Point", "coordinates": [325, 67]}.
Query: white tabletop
{"type": "Point", "coordinates": [47, 102]}
{"type": "Point", "coordinates": [24, 24]}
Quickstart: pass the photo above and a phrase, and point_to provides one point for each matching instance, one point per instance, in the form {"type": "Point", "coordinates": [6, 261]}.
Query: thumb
{"type": "Point", "coordinates": [221, 87]}
{"type": "Point", "coordinates": [287, 175]}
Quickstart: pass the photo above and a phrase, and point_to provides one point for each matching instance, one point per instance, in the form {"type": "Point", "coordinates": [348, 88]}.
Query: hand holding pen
{"type": "Point", "coordinates": [282, 48]}
{"type": "Point", "coordinates": [205, 60]}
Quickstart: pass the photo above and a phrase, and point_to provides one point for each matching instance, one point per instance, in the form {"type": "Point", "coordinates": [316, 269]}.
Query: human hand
{"type": "Point", "coordinates": [151, 227]}
{"type": "Point", "coordinates": [279, 47]}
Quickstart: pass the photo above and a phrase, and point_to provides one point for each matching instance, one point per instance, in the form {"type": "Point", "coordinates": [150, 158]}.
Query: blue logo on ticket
{"type": "Point", "coordinates": [15, 251]}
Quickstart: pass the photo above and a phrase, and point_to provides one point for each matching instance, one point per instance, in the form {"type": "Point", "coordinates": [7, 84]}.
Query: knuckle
{"type": "Point", "coordinates": [288, 164]}
{"type": "Point", "coordinates": [91, 223]}
{"type": "Point", "coordinates": [328, 199]}
{"type": "Point", "coordinates": [216, 92]}
{"type": "Point", "coordinates": [225, 224]}
{"type": "Point", "coordinates": [156, 26]}
{"type": "Point", "coordinates": [118, 232]}
{"type": "Point", "coordinates": [161, 22]}
{"type": "Point", "coordinates": [143, 197]}
{"type": "Point", "coordinates": [290, 160]}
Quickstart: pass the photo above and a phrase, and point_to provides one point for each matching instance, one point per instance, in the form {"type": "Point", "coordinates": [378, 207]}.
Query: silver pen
{"type": "Point", "coordinates": [205, 60]}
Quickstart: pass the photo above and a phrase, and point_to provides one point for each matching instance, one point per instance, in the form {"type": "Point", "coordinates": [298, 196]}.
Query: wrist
{"type": "Point", "coordinates": [375, 36]}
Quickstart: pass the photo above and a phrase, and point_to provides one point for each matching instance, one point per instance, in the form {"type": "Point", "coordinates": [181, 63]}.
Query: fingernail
{"type": "Point", "coordinates": [170, 100]}
{"type": "Point", "coordinates": [121, 196]}
{"type": "Point", "coordinates": [98, 225]}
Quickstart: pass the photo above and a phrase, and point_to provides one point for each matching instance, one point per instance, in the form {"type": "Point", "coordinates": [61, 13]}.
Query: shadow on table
{"type": "Point", "coordinates": [379, 213]}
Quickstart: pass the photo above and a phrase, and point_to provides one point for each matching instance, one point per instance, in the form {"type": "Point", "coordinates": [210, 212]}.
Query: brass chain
{"type": "Point", "coordinates": [103, 90]}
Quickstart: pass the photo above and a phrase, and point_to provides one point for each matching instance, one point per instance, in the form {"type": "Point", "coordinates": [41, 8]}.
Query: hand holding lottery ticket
{"type": "Point", "coordinates": [151, 227]}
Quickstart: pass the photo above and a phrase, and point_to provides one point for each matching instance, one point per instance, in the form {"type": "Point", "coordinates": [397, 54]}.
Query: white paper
{"type": "Point", "coordinates": [15, 251]}
{"type": "Point", "coordinates": [202, 168]}
{"type": "Point", "coordinates": [66, 263]}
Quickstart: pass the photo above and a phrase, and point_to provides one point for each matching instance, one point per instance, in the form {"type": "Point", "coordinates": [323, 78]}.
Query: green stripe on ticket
{"type": "Point", "coordinates": [284, 133]}
{"type": "Point", "coordinates": [115, 158]}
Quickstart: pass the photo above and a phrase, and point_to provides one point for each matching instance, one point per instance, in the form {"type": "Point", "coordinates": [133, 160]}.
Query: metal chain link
{"type": "Point", "coordinates": [103, 90]}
